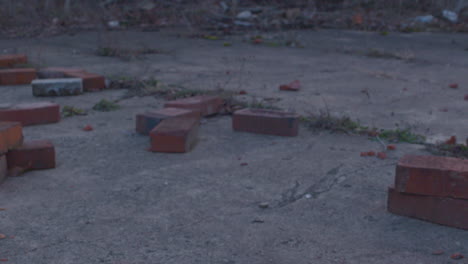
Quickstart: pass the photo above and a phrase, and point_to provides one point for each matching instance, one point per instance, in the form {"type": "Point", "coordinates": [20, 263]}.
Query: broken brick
{"type": "Point", "coordinates": [175, 135]}
{"type": "Point", "coordinates": [451, 141]}
{"type": "Point", "coordinates": [439, 210]}
{"type": "Point", "coordinates": [263, 121]}
{"type": "Point", "coordinates": [205, 104]}
{"type": "Point", "coordinates": [11, 136]}
{"type": "Point", "coordinates": [391, 147]}
{"type": "Point", "coordinates": [32, 155]}
{"type": "Point", "coordinates": [10, 60]}
{"type": "Point", "coordinates": [434, 176]}
{"type": "Point", "coordinates": [382, 155]}
{"type": "Point", "coordinates": [31, 113]}
{"type": "Point", "coordinates": [91, 82]}
{"type": "Point", "coordinates": [88, 128]}
{"type": "Point", "coordinates": [293, 86]}
{"type": "Point", "coordinates": [147, 121]}
{"type": "Point", "coordinates": [457, 256]}
{"type": "Point", "coordinates": [17, 76]}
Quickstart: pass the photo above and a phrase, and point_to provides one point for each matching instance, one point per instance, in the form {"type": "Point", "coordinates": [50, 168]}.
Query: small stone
{"type": "Point", "coordinates": [308, 196]}
{"type": "Point", "coordinates": [258, 221]}
{"type": "Point", "coordinates": [244, 15]}
{"type": "Point", "coordinates": [264, 205]}
{"type": "Point", "coordinates": [453, 85]}
{"type": "Point", "coordinates": [438, 252]}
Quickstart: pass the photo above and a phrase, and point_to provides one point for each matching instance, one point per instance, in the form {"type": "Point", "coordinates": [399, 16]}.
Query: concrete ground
{"type": "Point", "coordinates": [111, 201]}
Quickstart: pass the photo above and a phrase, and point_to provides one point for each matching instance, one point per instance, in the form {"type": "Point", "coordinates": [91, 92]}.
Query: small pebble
{"type": "Point", "coordinates": [263, 205]}
{"type": "Point", "coordinates": [308, 196]}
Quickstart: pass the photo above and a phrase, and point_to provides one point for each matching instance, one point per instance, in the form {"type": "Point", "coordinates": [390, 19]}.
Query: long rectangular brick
{"type": "Point", "coordinates": [206, 105]}
{"type": "Point", "coordinates": [175, 135]}
{"type": "Point", "coordinates": [147, 121]}
{"type": "Point", "coordinates": [57, 87]}
{"type": "Point", "coordinates": [3, 168]}
{"type": "Point", "coordinates": [262, 121]}
{"type": "Point", "coordinates": [11, 136]}
{"type": "Point", "coordinates": [10, 60]}
{"type": "Point", "coordinates": [91, 82]}
{"type": "Point", "coordinates": [32, 155]}
{"type": "Point", "coordinates": [439, 210]}
{"type": "Point", "coordinates": [17, 76]}
{"type": "Point", "coordinates": [432, 175]}
{"type": "Point", "coordinates": [31, 113]}
{"type": "Point", "coordinates": [56, 72]}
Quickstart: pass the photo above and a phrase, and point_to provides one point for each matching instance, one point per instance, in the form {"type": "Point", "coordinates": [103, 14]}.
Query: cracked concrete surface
{"type": "Point", "coordinates": [111, 201]}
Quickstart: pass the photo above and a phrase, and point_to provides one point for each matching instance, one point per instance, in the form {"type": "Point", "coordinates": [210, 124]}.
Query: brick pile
{"type": "Point", "coordinates": [174, 129]}
{"type": "Point", "coordinates": [18, 156]}
{"type": "Point", "coordinates": [52, 81]}
{"type": "Point", "coordinates": [431, 188]}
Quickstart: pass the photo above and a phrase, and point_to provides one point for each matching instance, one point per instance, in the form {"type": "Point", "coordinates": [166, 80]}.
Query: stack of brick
{"type": "Point", "coordinates": [174, 129]}
{"type": "Point", "coordinates": [57, 81]}
{"type": "Point", "coordinates": [15, 76]}
{"type": "Point", "coordinates": [17, 156]}
{"type": "Point", "coordinates": [431, 188]}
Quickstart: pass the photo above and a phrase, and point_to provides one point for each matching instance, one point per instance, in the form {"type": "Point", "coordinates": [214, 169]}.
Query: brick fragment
{"type": "Point", "coordinates": [175, 135]}
{"type": "Point", "coordinates": [10, 60]}
{"type": "Point", "coordinates": [31, 113]}
{"type": "Point", "coordinates": [3, 168]}
{"type": "Point", "coordinates": [32, 155]}
{"type": "Point", "coordinates": [17, 76]}
{"type": "Point", "coordinates": [91, 82]}
{"type": "Point", "coordinates": [206, 105]}
{"type": "Point", "coordinates": [11, 136]}
{"type": "Point", "coordinates": [444, 211]}
{"type": "Point", "coordinates": [432, 175]}
{"type": "Point", "coordinates": [263, 121]}
{"type": "Point", "coordinates": [147, 121]}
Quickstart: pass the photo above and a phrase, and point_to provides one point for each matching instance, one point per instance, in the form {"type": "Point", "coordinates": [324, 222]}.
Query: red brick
{"type": "Point", "coordinates": [32, 155]}
{"type": "Point", "coordinates": [147, 121]}
{"type": "Point", "coordinates": [434, 176]}
{"type": "Point", "coordinates": [31, 113]}
{"type": "Point", "coordinates": [91, 82]}
{"type": "Point", "coordinates": [3, 168]}
{"type": "Point", "coordinates": [9, 60]}
{"type": "Point", "coordinates": [56, 72]}
{"type": "Point", "coordinates": [439, 210]}
{"type": "Point", "coordinates": [206, 105]}
{"type": "Point", "coordinates": [17, 76]}
{"type": "Point", "coordinates": [175, 135]}
{"type": "Point", "coordinates": [263, 121]}
{"type": "Point", "coordinates": [11, 136]}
